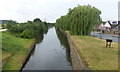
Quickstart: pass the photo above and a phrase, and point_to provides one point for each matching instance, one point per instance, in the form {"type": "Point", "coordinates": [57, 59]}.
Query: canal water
{"type": "Point", "coordinates": [52, 53]}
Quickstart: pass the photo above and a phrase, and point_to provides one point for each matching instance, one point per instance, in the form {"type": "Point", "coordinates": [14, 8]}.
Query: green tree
{"type": "Point", "coordinates": [37, 20]}
{"type": "Point", "coordinates": [28, 29]}
{"type": "Point", "coordinates": [10, 23]}
{"type": "Point", "coordinates": [80, 20]}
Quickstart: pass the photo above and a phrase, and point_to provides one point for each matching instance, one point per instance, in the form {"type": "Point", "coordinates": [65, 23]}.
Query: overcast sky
{"type": "Point", "coordinates": [50, 10]}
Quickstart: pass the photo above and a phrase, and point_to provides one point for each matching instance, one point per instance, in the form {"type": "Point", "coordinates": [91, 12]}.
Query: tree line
{"type": "Point", "coordinates": [29, 29]}
{"type": "Point", "coordinates": [80, 20]}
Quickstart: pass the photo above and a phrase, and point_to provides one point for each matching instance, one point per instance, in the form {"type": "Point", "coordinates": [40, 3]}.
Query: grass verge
{"type": "Point", "coordinates": [16, 49]}
{"type": "Point", "coordinates": [94, 52]}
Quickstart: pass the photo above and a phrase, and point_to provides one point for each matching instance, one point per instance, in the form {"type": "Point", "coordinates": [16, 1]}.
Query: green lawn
{"type": "Point", "coordinates": [93, 51]}
{"type": "Point", "coordinates": [14, 49]}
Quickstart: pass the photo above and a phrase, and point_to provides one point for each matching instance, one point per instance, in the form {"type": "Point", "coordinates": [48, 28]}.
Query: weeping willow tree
{"type": "Point", "coordinates": [80, 20]}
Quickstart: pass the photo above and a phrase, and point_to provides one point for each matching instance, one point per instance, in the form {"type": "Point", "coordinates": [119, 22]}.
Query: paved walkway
{"type": "Point", "coordinates": [106, 36]}
{"type": "Point", "coordinates": [3, 29]}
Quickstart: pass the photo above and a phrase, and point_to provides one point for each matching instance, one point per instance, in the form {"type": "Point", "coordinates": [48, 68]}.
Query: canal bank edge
{"type": "Point", "coordinates": [76, 59]}
{"type": "Point", "coordinates": [32, 46]}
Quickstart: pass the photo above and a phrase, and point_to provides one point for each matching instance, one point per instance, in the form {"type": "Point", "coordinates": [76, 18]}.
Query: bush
{"type": "Point", "coordinates": [27, 34]}
{"type": "Point", "coordinates": [28, 29]}
{"type": "Point", "coordinates": [3, 26]}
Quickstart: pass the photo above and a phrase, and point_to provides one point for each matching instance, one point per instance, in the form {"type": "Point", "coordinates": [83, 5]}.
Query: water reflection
{"type": "Point", "coordinates": [39, 37]}
{"type": "Point", "coordinates": [64, 42]}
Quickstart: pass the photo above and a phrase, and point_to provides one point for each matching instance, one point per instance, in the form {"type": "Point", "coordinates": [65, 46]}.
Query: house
{"type": "Point", "coordinates": [107, 24]}
{"type": "Point", "coordinates": [100, 27]}
{"type": "Point", "coordinates": [113, 24]}
{"type": "Point", "coordinates": [109, 27]}
{"type": "Point", "coordinates": [114, 27]}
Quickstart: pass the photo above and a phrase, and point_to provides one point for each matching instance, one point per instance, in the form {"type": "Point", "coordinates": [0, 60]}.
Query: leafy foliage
{"type": "Point", "coordinates": [3, 26]}
{"type": "Point", "coordinates": [80, 20]}
{"type": "Point", "coordinates": [28, 29]}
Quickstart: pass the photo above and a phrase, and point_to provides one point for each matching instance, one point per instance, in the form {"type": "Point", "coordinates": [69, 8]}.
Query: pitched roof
{"type": "Point", "coordinates": [107, 24]}
{"type": "Point", "coordinates": [113, 22]}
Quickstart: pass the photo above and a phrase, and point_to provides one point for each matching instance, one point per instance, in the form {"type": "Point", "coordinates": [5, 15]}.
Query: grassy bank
{"type": "Point", "coordinates": [14, 50]}
{"type": "Point", "coordinates": [93, 51]}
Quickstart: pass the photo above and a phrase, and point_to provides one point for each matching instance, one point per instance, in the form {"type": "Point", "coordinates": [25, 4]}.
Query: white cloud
{"type": "Point", "coordinates": [23, 10]}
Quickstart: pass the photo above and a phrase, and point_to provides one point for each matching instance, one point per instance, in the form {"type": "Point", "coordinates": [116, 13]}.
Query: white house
{"type": "Point", "coordinates": [107, 25]}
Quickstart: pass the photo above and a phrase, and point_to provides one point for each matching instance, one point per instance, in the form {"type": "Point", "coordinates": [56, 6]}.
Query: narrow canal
{"type": "Point", "coordinates": [52, 53]}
